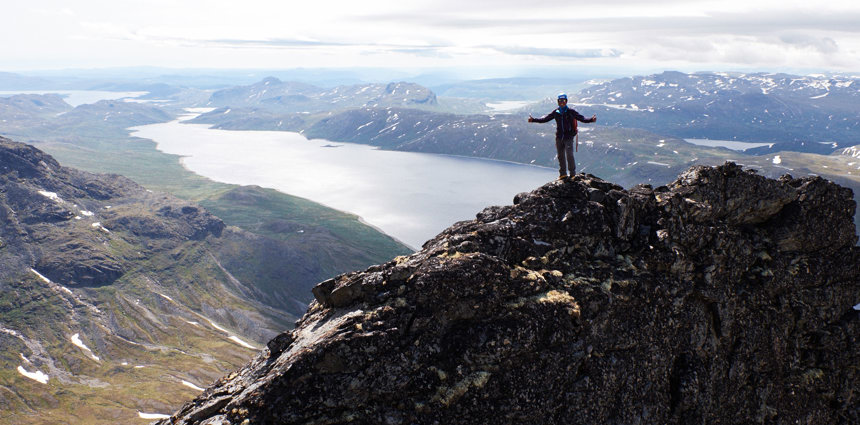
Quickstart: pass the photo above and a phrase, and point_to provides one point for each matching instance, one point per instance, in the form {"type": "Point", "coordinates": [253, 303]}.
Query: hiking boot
{"type": "Point", "coordinates": [562, 177]}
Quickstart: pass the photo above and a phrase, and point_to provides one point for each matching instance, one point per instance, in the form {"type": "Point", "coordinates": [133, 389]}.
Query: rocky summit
{"type": "Point", "coordinates": [722, 298]}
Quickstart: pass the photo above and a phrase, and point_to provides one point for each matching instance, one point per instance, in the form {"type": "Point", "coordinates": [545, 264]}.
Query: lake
{"type": "Point", "coordinates": [410, 196]}
{"type": "Point", "coordinates": [509, 105]}
{"type": "Point", "coordinates": [729, 144]}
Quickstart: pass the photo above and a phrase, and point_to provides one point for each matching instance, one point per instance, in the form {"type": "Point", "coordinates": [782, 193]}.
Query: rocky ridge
{"type": "Point", "coordinates": [724, 297]}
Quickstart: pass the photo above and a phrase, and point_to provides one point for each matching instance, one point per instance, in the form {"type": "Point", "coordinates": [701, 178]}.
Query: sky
{"type": "Point", "coordinates": [763, 35]}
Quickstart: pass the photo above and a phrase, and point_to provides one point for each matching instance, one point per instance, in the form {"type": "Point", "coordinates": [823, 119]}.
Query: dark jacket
{"type": "Point", "coordinates": [565, 125]}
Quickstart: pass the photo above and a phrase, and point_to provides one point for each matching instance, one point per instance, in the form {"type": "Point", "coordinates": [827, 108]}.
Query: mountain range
{"type": "Point", "coordinates": [276, 95]}
{"type": "Point", "coordinates": [809, 124]}
{"type": "Point", "coordinates": [813, 114]}
{"type": "Point", "coordinates": [125, 300]}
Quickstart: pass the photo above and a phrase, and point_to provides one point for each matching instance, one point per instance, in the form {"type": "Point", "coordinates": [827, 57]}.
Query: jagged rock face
{"type": "Point", "coordinates": [724, 297]}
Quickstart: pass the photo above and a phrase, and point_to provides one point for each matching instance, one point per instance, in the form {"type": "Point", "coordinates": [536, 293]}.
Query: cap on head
{"type": "Point", "coordinates": [562, 96]}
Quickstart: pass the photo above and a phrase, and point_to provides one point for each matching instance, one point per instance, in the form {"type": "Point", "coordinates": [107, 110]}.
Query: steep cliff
{"type": "Point", "coordinates": [724, 297]}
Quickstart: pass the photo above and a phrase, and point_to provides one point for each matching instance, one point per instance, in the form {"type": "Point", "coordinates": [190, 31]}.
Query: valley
{"type": "Point", "coordinates": [114, 299]}
{"type": "Point", "coordinates": [119, 301]}
{"type": "Point", "coordinates": [109, 315]}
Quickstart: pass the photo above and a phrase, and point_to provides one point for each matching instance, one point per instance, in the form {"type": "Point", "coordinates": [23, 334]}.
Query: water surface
{"type": "Point", "coordinates": [410, 196]}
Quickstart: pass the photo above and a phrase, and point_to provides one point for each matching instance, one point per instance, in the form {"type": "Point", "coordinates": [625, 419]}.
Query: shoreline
{"type": "Point", "coordinates": [412, 197]}
{"type": "Point", "coordinates": [359, 218]}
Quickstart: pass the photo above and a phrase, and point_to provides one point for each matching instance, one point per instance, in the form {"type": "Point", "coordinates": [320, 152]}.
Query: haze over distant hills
{"type": "Point", "coordinates": [642, 120]}
{"type": "Point", "coordinates": [810, 121]}
{"type": "Point", "coordinates": [273, 94]}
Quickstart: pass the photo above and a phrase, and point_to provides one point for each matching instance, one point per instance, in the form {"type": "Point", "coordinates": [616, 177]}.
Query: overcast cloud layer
{"type": "Point", "coordinates": [686, 35]}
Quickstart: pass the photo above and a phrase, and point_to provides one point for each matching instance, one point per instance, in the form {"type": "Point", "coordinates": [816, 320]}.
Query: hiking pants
{"type": "Point", "coordinates": [565, 156]}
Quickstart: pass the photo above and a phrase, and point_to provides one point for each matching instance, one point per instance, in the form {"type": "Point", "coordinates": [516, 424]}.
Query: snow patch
{"type": "Point", "coordinates": [87, 213]}
{"type": "Point", "coordinates": [37, 376]}
{"type": "Point", "coordinates": [857, 307]}
{"type": "Point", "coordinates": [152, 415]}
{"type": "Point", "coordinates": [233, 338]}
{"type": "Point", "coordinates": [777, 160]}
{"type": "Point", "coordinates": [166, 297]}
{"type": "Point", "coordinates": [99, 226]}
{"type": "Point", "coordinates": [11, 332]}
{"type": "Point", "coordinates": [40, 276]}
{"type": "Point", "coordinates": [236, 339]}
{"type": "Point", "coordinates": [659, 163]}
{"type": "Point", "coordinates": [192, 386]}
{"type": "Point", "coordinates": [820, 96]}
{"type": "Point", "coordinates": [76, 339]}
{"type": "Point", "coordinates": [50, 195]}
{"type": "Point", "coordinates": [214, 325]}
{"type": "Point", "coordinates": [853, 152]}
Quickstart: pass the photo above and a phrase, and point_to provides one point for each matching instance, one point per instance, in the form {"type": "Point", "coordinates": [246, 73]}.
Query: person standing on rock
{"type": "Point", "coordinates": [566, 123]}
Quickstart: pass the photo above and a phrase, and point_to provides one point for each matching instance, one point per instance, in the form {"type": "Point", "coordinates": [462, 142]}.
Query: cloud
{"type": "Point", "coordinates": [569, 22]}
{"type": "Point", "coordinates": [403, 48]}
{"type": "Point", "coordinates": [549, 52]}
{"type": "Point", "coordinates": [439, 32]}
{"type": "Point", "coordinates": [273, 43]}
{"type": "Point", "coordinates": [820, 44]}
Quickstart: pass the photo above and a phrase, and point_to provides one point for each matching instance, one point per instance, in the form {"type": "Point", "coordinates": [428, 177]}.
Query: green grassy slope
{"type": "Point", "coordinates": [330, 241]}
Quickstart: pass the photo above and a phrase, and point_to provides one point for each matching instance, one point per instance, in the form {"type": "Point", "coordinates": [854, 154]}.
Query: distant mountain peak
{"type": "Point", "coordinates": [270, 80]}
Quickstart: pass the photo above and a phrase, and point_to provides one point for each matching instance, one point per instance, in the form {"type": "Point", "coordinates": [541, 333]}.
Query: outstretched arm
{"type": "Point", "coordinates": [544, 119]}
{"type": "Point", "coordinates": [579, 117]}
